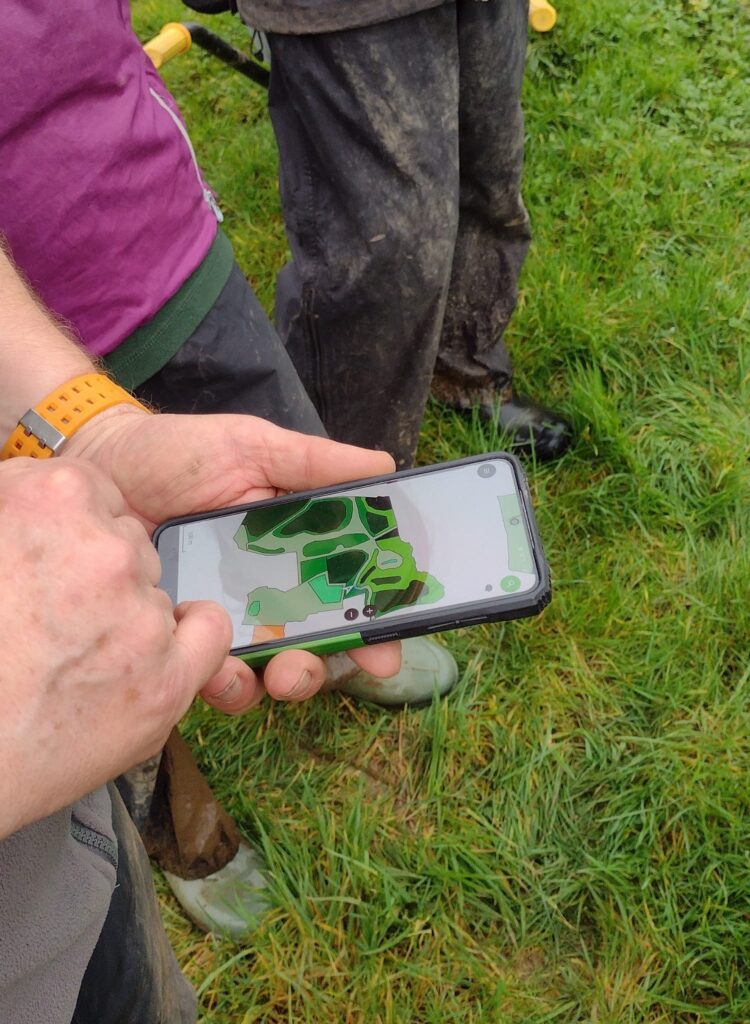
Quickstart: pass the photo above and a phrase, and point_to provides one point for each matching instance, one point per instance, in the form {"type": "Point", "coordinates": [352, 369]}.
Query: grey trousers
{"type": "Point", "coordinates": [81, 937]}
{"type": "Point", "coordinates": [401, 148]}
{"type": "Point", "coordinates": [132, 976]}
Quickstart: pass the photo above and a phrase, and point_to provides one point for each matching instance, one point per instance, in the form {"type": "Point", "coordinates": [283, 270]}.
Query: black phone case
{"type": "Point", "coordinates": [420, 622]}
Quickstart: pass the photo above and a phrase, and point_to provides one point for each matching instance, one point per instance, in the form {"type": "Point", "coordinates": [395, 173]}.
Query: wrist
{"type": "Point", "coordinates": [48, 428]}
{"type": "Point", "coordinates": [37, 353]}
{"type": "Point", "coordinates": [95, 436]}
{"type": "Point", "coordinates": [23, 391]}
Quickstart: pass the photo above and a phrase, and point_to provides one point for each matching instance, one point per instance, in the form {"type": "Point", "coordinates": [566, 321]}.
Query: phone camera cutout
{"type": "Point", "coordinates": [488, 586]}
{"type": "Point", "coordinates": [351, 614]}
{"type": "Point", "coordinates": [486, 471]}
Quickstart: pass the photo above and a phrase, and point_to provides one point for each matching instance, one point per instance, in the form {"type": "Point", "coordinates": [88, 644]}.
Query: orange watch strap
{"type": "Point", "coordinates": [44, 429]}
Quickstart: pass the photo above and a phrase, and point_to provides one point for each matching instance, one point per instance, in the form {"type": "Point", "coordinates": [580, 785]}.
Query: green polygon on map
{"type": "Point", "coordinates": [345, 547]}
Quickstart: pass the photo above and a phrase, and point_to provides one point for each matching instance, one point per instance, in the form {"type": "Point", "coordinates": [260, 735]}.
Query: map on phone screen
{"type": "Point", "coordinates": [345, 547]}
{"type": "Point", "coordinates": [373, 551]}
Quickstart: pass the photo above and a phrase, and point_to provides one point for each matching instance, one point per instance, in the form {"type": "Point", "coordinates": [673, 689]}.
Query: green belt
{"type": "Point", "coordinates": [148, 349]}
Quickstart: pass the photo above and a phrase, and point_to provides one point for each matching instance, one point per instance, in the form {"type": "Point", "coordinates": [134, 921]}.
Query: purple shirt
{"type": "Point", "coordinates": [101, 199]}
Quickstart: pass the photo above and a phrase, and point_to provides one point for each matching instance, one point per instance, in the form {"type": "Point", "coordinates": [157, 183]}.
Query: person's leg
{"type": "Point", "coordinates": [132, 976]}
{"type": "Point", "coordinates": [366, 122]}
{"type": "Point", "coordinates": [185, 829]}
{"type": "Point", "coordinates": [494, 231]}
{"type": "Point", "coordinates": [136, 789]}
{"type": "Point", "coordinates": [217, 878]}
{"type": "Point", "coordinates": [473, 366]}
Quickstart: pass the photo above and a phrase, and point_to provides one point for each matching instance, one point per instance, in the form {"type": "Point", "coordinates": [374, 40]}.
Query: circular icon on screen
{"type": "Point", "coordinates": [369, 610]}
{"type": "Point", "coordinates": [510, 584]}
{"type": "Point", "coordinates": [486, 471]}
{"type": "Point", "coordinates": [351, 614]}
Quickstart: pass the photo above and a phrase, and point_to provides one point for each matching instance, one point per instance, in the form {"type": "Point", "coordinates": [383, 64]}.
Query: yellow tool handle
{"type": "Point", "coordinates": [173, 40]}
{"type": "Point", "coordinates": [542, 16]}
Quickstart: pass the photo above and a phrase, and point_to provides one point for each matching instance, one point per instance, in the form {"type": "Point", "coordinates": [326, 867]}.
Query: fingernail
{"type": "Point", "coordinates": [230, 690]}
{"type": "Point", "coordinates": [302, 685]}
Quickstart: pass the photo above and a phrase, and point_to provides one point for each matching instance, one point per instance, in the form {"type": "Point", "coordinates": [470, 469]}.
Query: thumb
{"type": "Point", "coordinates": [203, 636]}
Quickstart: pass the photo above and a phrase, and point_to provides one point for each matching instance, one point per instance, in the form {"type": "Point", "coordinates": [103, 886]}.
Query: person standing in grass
{"type": "Point", "coordinates": [400, 137]}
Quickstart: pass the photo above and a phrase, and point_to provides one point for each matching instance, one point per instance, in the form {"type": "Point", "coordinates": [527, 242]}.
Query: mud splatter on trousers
{"type": "Point", "coordinates": [401, 148]}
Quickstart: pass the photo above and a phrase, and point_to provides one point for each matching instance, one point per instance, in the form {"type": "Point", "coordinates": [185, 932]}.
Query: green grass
{"type": "Point", "coordinates": [567, 837]}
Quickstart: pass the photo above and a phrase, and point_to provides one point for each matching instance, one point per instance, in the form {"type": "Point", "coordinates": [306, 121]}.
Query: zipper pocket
{"type": "Point", "coordinates": [94, 840]}
{"type": "Point", "coordinates": [207, 193]}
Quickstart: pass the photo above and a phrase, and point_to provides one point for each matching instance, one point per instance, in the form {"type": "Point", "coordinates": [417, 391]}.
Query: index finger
{"type": "Point", "coordinates": [202, 635]}
{"type": "Point", "coordinates": [381, 660]}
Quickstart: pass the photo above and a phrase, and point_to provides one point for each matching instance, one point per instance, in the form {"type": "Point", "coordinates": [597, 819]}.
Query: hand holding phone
{"type": "Point", "coordinates": [386, 558]}
{"type": "Point", "coordinates": [171, 465]}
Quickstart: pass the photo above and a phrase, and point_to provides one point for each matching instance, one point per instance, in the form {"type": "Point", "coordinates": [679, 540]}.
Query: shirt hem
{"type": "Point", "coordinates": [148, 349]}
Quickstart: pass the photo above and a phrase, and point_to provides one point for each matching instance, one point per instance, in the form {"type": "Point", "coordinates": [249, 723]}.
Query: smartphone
{"type": "Point", "coordinates": [415, 552]}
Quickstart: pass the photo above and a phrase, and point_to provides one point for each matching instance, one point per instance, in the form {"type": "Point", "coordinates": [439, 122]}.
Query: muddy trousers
{"type": "Point", "coordinates": [401, 148]}
{"type": "Point", "coordinates": [234, 362]}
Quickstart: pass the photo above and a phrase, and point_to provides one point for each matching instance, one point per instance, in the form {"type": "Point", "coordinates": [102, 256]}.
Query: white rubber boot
{"type": "Point", "coordinates": [425, 668]}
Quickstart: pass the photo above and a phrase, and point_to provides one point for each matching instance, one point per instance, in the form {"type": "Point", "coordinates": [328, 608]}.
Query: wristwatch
{"type": "Point", "coordinates": [43, 430]}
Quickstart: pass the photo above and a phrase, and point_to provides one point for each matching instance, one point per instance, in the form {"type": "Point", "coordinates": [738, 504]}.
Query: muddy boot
{"type": "Point", "coordinates": [216, 877]}
{"type": "Point", "coordinates": [532, 429]}
{"type": "Point", "coordinates": [230, 901]}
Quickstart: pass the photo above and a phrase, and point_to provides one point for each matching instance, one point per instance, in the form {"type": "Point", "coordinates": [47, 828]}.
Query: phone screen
{"type": "Point", "coordinates": [441, 539]}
